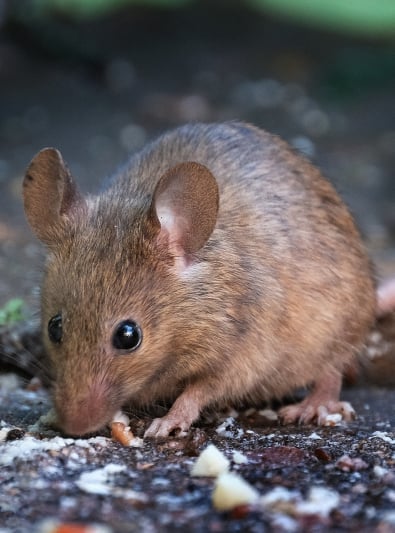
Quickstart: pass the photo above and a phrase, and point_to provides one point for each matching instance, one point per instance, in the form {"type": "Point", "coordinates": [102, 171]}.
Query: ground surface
{"type": "Point", "coordinates": [151, 488]}
{"type": "Point", "coordinates": [97, 92]}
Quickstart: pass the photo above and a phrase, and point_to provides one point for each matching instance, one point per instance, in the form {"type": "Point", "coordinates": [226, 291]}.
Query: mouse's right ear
{"type": "Point", "coordinates": [185, 208]}
{"type": "Point", "coordinates": [50, 195]}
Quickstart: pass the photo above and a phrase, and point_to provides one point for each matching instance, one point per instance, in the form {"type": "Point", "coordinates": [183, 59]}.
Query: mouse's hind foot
{"type": "Point", "coordinates": [321, 406]}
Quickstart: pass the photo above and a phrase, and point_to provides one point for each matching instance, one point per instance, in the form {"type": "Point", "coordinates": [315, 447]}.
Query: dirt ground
{"type": "Point", "coordinates": [98, 91]}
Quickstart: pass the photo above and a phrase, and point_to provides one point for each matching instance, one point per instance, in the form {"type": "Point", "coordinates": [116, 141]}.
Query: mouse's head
{"type": "Point", "coordinates": [115, 289]}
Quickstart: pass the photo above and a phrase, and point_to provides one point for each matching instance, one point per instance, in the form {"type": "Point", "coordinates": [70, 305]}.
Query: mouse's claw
{"type": "Point", "coordinates": [162, 427]}
{"type": "Point", "coordinates": [321, 404]}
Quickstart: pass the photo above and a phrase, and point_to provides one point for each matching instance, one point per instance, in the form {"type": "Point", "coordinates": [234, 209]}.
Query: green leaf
{"type": "Point", "coordinates": [369, 17]}
{"type": "Point", "coordinates": [13, 311]}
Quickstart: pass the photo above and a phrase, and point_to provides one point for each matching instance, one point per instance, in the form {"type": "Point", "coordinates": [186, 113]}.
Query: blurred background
{"type": "Point", "coordinates": [98, 78]}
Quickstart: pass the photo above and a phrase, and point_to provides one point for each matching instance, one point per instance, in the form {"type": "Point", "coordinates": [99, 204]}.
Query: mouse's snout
{"type": "Point", "coordinates": [84, 411]}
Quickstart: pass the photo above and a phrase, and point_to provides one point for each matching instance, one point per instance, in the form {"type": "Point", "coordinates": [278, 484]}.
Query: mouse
{"type": "Point", "coordinates": [217, 267]}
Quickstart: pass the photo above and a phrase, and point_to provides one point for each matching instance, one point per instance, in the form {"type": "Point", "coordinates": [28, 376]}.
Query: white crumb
{"type": "Point", "coordinates": [100, 481]}
{"type": "Point", "coordinates": [136, 442]}
{"type": "Point", "coordinates": [120, 416]}
{"type": "Point", "coordinates": [320, 501]}
{"type": "Point", "coordinates": [314, 436]}
{"type": "Point", "coordinates": [333, 419]}
{"type": "Point", "coordinates": [25, 449]}
{"type": "Point", "coordinates": [223, 429]}
{"type": "Point", "coordinates": [384, 436]}
{"type": "Point", "coordinates": [227, 429]}
{"type": "Point", "coordinates": [239, 458]}
{"type": "Point", "coordinates": [210, 463]}
{"type": "Point", "coordinates": [269, 414]}
{"type": "Point", "coordinates": [279, 495]}
{"type": "Point", "coordinates": [345, 411]}
{"type": "Point", "coordinates": [232, 490]}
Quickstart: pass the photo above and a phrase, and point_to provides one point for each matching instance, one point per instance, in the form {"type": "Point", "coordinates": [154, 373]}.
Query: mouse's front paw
{"type": "Point", "coordinates": [162, 427]}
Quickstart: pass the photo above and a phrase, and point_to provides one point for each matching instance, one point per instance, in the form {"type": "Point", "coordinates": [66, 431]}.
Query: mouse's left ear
{"type": "Point", "coordinates": [50, 195]}
{"type": "Point", "coordinates": [185, 205]}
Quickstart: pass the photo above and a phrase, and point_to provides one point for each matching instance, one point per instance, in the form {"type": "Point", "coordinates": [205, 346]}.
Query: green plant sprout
{"type": "Point", "coordinates": [12, 311]}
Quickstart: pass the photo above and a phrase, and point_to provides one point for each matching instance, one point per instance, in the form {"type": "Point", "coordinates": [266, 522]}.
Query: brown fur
{"type": "Point", "coordinates": [278, 296]}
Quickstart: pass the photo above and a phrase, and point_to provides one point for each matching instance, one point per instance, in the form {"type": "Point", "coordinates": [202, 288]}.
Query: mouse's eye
{"type": "Point", "coordinates": [127, 336]}
{"type": "Point", "coordinates": [55, 328]}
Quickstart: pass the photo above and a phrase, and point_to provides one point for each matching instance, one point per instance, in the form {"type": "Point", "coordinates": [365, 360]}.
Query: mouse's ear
{"type": "Point", "coordinates": [185, 204]}
{"type": "Point", "coordinates": [50, 195]}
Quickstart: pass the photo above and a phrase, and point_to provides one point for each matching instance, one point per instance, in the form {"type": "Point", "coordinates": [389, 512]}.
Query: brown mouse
{"type": "Point", "coordinates": [218, 267]}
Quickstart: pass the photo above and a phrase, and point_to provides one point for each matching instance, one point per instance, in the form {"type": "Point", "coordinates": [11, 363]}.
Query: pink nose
{"type": "Point", "coordinates": [79, 425]}
{"type": "Point", "coordinates": [80, 414]}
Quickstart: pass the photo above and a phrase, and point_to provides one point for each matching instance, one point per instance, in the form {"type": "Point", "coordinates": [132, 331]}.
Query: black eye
{"type": "Point", "coordinates": [55, 328]}
{"type": "Point", "coordinates": [127, 336]}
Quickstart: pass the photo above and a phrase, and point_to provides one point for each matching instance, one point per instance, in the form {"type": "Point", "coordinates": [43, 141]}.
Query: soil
{"type": "Point", "coordinates": [98, 90]}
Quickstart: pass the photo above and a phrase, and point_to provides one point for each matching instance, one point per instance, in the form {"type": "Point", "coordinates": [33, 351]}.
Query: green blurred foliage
{"type": "Point", "coordinates": [13, 311]}
{"type": "Point", "coordinates": [366, 17]}
{"type": "Point", "coordinates": [363, 16]}
{"type": "Point", "coordinates": [369, 17]}
{"type": "Point", "coordinates": [91, 8]}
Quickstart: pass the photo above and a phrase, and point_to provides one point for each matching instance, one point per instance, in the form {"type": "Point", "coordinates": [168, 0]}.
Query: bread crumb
{"type": "Point", "coordinates": [231, 490]}
{"type": "Point", "coordinates": [210, 463]}
{"type": "Point", "coordinates": [122, 417]}
{"type": "Point", "coordinates": [122, 433]}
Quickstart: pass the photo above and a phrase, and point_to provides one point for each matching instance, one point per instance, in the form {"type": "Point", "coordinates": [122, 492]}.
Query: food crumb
{"type": "Point", "coordinates": [239, 458]}
{"type": "Point", "coordinates": [210, 463]}
{"type": "Point", "coordinates": [384, 436]}
{"type": "Point", "coordinates": [320, 501]}
{"type": "Point", "coordinates": [269, 414]}
{"type": "Point", "coordinates": [122, 417]}
{"type": "Point", "coordinates": [122, 433]}
{"type": "Point", "coordinates": [53, 526]}
{"type": "Point", "coordinates": [232, 490]}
